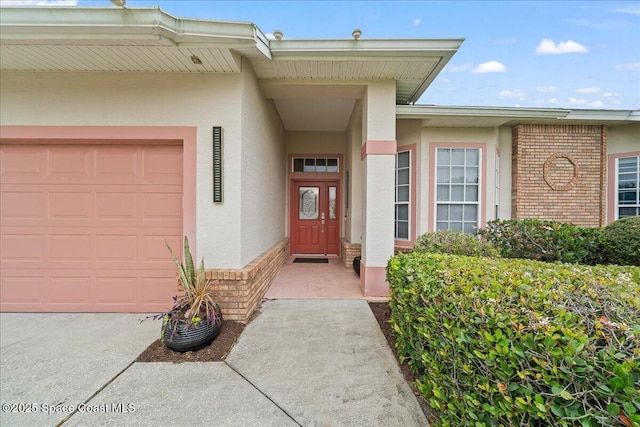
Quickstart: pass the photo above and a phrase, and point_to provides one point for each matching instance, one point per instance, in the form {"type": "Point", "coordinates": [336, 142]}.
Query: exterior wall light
{"type": "Point", "coordinates": [119, 3]}
{"type": "Point", "coordinates": [356, 34]}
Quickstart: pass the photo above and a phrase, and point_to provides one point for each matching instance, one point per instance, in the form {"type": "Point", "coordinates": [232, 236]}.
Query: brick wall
{"type": "Point", "coordinates": [349, 251]}
{"type": "Point", "coordinates": [559, 173]}
{"type": "Point", "coordinates": [240, 291]}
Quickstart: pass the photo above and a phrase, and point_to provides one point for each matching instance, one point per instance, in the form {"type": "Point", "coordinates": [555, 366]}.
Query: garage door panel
{"type": "Point", "coordinates": [70, 205]}
{"type": "Point", "coordinates": [22, 164]}
{"type": "Point", "coordinates": [22, 247]}
{"type": "Point", "coordinates": [116, 205]}
{"type": "Point", "coordinates": [116, 290]}
{"type": "Point", "coordinates": [76, 239]}
{"type": "Point", "coordinates": [154, 248]}
{"type": "Point", "coordinates": [69, 248]}
{"type": "Point", "coordinates": [118, 165]}
{"type": "Point", "coordinates": [22, 205]}
{"type": "Point", "coordinates": [69, 289]}
{"type": "Point", "coordinates": [157, 292]}
{"type": "Point", "coordinates": [69, 164]}
{"type": "Point", "coordinates": [116, 248]}
{"type": "Point", "coordinates": [21, 290]}
{"type": "Point", "coordinates": [160, 166]}
{"type": "Point", "coordinates": [162, 206]}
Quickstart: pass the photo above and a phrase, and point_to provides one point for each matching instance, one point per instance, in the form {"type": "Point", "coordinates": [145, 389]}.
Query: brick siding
{"type": "Point", "coordinates": [349, 251]}
{"type": "Point", "coordinates": [240, 291]}
{"type": "Point", "coordinates": [559, 173]}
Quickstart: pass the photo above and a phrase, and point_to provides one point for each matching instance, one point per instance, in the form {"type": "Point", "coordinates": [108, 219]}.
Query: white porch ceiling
{"type": "Point", "coordinates": [315, 114]}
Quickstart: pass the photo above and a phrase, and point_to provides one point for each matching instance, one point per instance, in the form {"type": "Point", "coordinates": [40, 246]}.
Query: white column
{"type": "Point", "coordinates": [378, 156]}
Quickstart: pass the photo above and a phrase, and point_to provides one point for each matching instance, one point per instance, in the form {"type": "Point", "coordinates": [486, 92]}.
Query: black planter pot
{"type": "Point", "coordinates": [180, 336]}
{"type": "Point", "coordinates": [356, 265]}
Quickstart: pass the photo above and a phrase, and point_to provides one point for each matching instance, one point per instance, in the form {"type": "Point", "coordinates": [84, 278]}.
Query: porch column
{"type": "Point", "coordinates": [378, 157]}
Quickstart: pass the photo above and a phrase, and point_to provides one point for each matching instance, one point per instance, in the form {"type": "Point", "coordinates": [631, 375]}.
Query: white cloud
{"type": "Point", "coordinates": [596, 104]}
{"type": "Point", "coordinates": [549, 47]}
{"type": "Point", "coordinates": [594, 25]}
{"type": "Point", "coordinates": [633, 9]}
{"type": "Point", "coordinates": [445, 80]}
{"type": "Point", "coordinates": [417, 22]}
{"type": "Point", "coordinates": [520, 94]}
{"type": "Point", "coordinates": [633, 66]}
{"type": "Point", "coordinates": [577, 101]}
{"type": "Point", "coordinates": [588, 90]}
{"type": "Point", "coordinates": [490, 67]}
{"type": "Point", "coordinates": [38, 2]}
{"type": "Point", "coordinates": [610, 95]}
{"type": "Point", "coordinates": [547, 89]}
{"type": "Point", "coordinates": [458, 68]}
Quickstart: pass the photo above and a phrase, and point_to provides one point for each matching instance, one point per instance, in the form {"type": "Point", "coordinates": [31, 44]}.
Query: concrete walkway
{"type": "Point", "coordinates": [299, 363]}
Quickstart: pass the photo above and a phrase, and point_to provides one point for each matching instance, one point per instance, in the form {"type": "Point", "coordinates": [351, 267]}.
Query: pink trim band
{"type": "Point", "coordinates": [378, 147]}
{"type": "Point", "coordinates": [373, 281]}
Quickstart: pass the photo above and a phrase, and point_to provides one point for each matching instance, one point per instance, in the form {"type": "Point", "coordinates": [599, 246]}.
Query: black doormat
{"type": "Point", "coordinates": [312, 260]}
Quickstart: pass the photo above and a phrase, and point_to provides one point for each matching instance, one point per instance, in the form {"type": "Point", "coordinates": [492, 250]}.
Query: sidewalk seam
{"type": "Point", "coordinates": [65, 419]}
{"type": "Point", "coordinates": [262, 393]}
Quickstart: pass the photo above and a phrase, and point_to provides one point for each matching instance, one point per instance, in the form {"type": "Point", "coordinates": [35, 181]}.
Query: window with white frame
{"type": "Point", "coordinates": [403, 195]}
{"type": "Point", "coordinates": [628, 186]}
{"type": "Point", "coordinates": [457, 189]}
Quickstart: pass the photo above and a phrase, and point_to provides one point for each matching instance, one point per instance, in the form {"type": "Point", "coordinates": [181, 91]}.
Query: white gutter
{"type": "Point", "coordinates": [48, 24]}
{"type": "Point", "coordinates": [515, 113]}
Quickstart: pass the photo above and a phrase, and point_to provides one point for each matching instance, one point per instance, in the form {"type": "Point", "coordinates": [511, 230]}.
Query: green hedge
{"type": "Point", "coordinates": [620, 241]}
{"type": "Point", "coordinates": [455, 243]}
{"type": "Point", "coordinates": [544, 240]}
{"type": "Point", "coordinates": [518, 342]}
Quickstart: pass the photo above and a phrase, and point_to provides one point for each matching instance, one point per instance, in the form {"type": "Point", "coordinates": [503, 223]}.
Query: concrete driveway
{"type": "Point", "coordinates": [299, 363]}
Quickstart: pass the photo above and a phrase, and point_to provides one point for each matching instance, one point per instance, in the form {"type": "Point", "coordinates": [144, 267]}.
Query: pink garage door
{"type": "Point", "coordinates": [82, 227]}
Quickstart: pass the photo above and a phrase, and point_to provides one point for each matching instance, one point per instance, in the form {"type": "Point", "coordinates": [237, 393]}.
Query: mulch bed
{"type": "Point", "coordinates": [230, 332]}
{"type": "Point", "coordinates": [214, 352]}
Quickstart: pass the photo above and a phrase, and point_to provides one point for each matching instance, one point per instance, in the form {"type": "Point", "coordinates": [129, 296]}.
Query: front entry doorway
{"type": "Point", "coordinates": [315, 217]}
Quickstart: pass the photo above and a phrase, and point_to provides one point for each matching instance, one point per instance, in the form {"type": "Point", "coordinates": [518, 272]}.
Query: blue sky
{"type": "Point", "coordinates": [558, 54]}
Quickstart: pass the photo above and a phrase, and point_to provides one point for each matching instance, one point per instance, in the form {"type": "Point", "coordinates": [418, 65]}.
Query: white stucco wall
{"type": "Point", "coordinates": [263, 175]}
{"type": "Point", "coordinates": [140, 99]}
{"type": "Point", "coordinates": [623, 139]}
{"type": "Point", "coordinates": [505, 150]}
{"type": "Point", "coordinates": [354, 165]}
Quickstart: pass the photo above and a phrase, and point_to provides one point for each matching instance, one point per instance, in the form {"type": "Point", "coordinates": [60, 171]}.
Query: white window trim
{"type": "Point", "coordinates": [407, 203]}
{"type": "Point", "coordinates": [478, 203]}
{"type": "Point", "coordinates": [616, 208]}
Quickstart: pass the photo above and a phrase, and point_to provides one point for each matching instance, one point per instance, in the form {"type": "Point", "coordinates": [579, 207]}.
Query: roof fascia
{"type": "Point", "coordinates": [421, 111]}
{"type": "Point", "coordinates": [516, 113]}
{"type": "Point", "coordinates": [61, 23]}
{"type": "Point", "coordinates": [349, 49]}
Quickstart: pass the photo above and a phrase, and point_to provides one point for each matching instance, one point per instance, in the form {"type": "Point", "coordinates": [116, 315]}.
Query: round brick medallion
{"type": "Point", "coordinates": [560, 172]}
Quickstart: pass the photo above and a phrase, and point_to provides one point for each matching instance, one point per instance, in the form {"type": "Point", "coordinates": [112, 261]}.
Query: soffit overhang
{"type": "Point", "coordinates": [442, 116]}
{"type": "Point", "coordinates": [50, 39]}
{"type": "Point", "coordinates": [122, 40]}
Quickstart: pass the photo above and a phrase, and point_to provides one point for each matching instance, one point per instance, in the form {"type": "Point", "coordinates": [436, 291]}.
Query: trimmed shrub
{"type": "Point", "coordinates": [455, 243]}
{"type": "Point", "coordinates": [620, 241]}
{"type": "Point", "coordinates": [506, 342]}
{"type": "Point", "coordinates": [544, 240]}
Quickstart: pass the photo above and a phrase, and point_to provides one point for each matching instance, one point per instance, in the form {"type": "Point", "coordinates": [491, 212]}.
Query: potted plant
{"type": "Point", "coordinates": [195, 319]}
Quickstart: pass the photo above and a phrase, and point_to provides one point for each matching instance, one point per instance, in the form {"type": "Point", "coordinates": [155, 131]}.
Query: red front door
{"type": "Point", "coordinates": [315, 226]}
